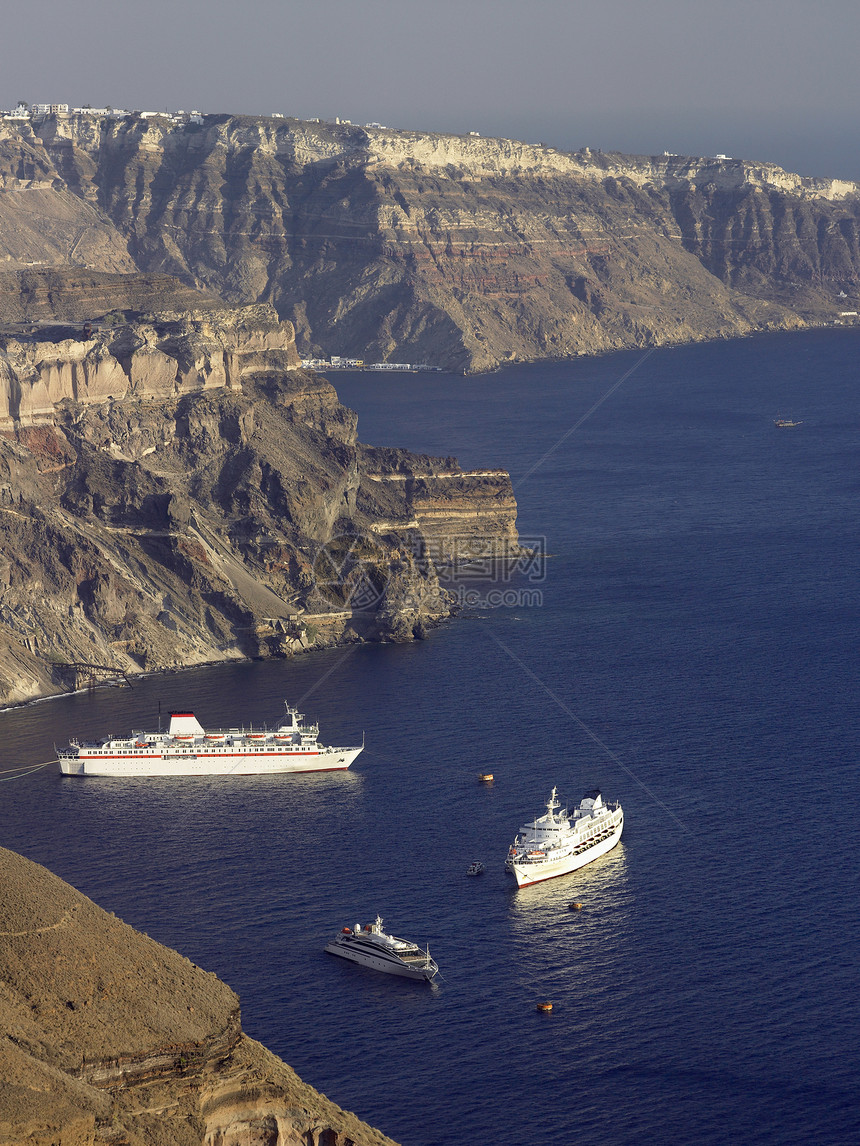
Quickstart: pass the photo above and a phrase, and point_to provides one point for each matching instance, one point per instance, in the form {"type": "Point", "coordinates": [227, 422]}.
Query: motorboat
{"type": "Point", "coordinates": [372, 947]}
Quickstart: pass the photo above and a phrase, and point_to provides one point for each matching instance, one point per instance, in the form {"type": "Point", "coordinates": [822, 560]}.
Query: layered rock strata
{"type": "Point", "coordinates": [451, 508]}
{"type": "Point", "coordinates": [81, 298]}
{"type": "Point", "coordinates": [164, 358]}
{"type": "Point", "coordinates": [458, 251]}
{"type": "Point", "coordinates": [108, 1037]}
{"type": "Point", "coordinates": [177, 491]}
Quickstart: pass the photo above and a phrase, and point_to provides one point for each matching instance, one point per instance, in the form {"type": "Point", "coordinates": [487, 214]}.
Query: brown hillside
{"type": "Point", "coordinates": [111, 1038]}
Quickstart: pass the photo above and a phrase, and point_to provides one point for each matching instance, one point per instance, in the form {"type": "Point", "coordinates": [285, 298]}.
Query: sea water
{"type": "Point", "coordinates": [689, 646]}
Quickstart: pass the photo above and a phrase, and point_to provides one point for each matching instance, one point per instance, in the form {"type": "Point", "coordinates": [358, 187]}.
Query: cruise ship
{"type": "Point", "coordinates": [371, 947]}
{"type": "Point", "coordinates": [558, 843]}
{"type": "Point", "coordinates": [188, 749]}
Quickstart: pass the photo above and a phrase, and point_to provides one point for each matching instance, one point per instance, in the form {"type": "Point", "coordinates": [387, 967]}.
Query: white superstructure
{"type": "Point", "coordinates": [371, 947]}
{"type": "Point", "coordinates": [556, 844]}
{"type": "Point", "coordinates": [188, 749]}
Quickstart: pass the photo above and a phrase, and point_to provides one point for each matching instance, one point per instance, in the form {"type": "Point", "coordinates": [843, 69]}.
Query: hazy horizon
{"type": "Point", "coordinates": [768, 80]}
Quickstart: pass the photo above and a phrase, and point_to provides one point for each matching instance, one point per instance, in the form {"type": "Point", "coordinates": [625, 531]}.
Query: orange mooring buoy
{"type": "Point", "coordinates": [544, 1006]}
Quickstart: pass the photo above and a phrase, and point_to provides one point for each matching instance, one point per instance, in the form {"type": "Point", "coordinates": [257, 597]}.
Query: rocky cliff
{"type": "Point", "coordinates": [108, 1037]}
{"type": "Point", "coordinates": [42, 298]}
{"type": "Point", "coordinates": [459, 251]}
{"type": "Point", "coordinates": [176, 490]}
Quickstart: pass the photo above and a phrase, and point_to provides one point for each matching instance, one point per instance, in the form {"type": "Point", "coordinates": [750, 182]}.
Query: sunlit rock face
{"type": "Point", "coordinates": [177, 490]}
{"type": "Point", "coordinates": [170, 356]}
{"type": "Point", "coordinates": [110, 1037]}
{"type": "Point", "coordinates": [452, 250]}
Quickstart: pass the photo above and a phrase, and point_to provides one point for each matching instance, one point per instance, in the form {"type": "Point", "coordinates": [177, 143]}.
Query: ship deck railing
{"type": "Point", "coordinates": [580, 847]}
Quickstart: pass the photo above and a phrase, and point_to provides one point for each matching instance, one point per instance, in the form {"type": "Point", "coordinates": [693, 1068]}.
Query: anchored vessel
{"type": "Point", "coordinates": [188, 749]}
{"type": "Point", "coordinates": [556, 844]}
{"type": "Point", "coordinates": [370, 946]}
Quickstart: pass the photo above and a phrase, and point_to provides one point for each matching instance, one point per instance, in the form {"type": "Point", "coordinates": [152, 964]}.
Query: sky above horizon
{"type": "Point", "coordinates": [769, 80]}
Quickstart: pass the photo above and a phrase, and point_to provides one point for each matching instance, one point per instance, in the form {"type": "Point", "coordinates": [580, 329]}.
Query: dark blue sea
{"type": "Point", "coordinates": [692, 652]}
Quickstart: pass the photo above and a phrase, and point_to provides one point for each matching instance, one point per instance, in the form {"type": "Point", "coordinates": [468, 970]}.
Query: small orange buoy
{"type": "Point", "coordinates": [544, 1006]}
{"type": "Point", "coordinates": [575, 906]}
{"type": "Point", "coordinates": [485, 777]}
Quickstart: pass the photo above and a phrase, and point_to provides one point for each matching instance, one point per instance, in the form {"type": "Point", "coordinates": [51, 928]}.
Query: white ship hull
{"type": "Point", "coordinates": [379, 962]}
{"type": "Point", "coordinates": [226, 762]}
{"type": "Point", "coordinates": [371, 947]}
{"type": "Point", "coordinates": [188, 749]}
{"type": "Point", "coordinates": [531, 873]}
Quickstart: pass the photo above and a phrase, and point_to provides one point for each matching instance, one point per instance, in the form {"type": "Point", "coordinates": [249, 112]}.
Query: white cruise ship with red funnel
{"type": "Point", "coordinates": [188, 749]}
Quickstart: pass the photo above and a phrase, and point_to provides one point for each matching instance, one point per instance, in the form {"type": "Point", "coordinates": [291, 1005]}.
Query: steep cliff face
{"type": "Point", "coordinates": [177, 491]}
{"type": "Point", "coordinates": [451, 508]}
{"type": "Point", "coordinates": [40, 297]}
{"type": "Point", "coordinates": [44, 221]}
{"type": "Point", "coordinates": [108, 1037]}
{"type": "Point", "coordinates": [459, 251]}
{"type": "Point", "coordinates": [166, 357]}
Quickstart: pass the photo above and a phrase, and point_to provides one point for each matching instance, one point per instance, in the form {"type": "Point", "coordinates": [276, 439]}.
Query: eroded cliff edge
{"type": "Point", "coordinates": [459, 251]}
{"type": "Point", "coordinates": [108, 1037]}
{"type": "Point", "coordinates": [176, 490]}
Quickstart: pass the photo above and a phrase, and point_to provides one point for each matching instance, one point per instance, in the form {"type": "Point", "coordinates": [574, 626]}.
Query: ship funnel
{"type": "Point", "coordinates": [185, 724]}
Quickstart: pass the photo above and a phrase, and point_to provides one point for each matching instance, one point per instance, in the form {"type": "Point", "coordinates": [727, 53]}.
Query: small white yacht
{"type": "Point", "coordinates": [371, 947]}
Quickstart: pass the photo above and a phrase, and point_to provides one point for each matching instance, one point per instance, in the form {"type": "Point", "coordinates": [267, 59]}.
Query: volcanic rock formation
{"type": "Point", "coordinates": [177, 490]}
{"type": "Point", "coordinates": [108, 1037]}
{"type": "Point", "coordinates": [457, 251]}
{"type": "Point", "coordinates": [39, 299]}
